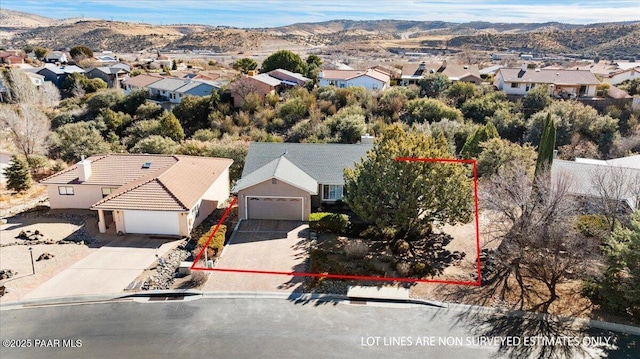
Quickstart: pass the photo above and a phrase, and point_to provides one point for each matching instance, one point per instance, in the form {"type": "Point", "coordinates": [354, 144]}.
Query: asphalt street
{"type": "Point", "coordinates": [266, 328]}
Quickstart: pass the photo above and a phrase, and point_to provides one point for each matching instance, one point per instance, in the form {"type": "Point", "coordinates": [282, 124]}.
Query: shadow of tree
{"type": "Point", "coordinates": [532, 336]}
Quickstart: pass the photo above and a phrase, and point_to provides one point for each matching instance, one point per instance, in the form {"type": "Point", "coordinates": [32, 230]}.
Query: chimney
{"type": "Point", "coordinates": [524, 67]}
{"type": "Point", "coordinates": [84, 170]}
{"type": "Point", "coordinates": [367, 139]}
{"type": "Point", "coordinates": [422, 66]}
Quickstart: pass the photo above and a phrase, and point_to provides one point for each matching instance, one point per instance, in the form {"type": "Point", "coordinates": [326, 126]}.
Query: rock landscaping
{"type": "Point", "coordinates": [167, 269]}
{"type": "Point", "coordinates": [44, 256]}
{"type": "Point", "coordinates": [6, 274]}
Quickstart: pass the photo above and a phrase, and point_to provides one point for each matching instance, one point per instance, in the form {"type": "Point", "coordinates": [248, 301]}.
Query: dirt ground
{"type": "Point", "coordinates": [15, 256]}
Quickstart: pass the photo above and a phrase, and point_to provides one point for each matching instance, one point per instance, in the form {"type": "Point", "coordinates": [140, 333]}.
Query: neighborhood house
{"type": "Point", "coordinates": [370, 79]}
{"type": "Point", "coordinates": [412, 73]}
{"type": "Point", "coordinates": [151, 194]}
{"type": "Point", "coordinates": [286, 181]}
{"type": "Point", "coordinates": [562, 83]}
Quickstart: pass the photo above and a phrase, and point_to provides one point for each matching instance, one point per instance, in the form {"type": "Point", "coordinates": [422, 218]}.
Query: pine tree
{"type": "Point", "coordinates": [170, 127]}
{"type": "Point", "coordinates": [18, 175]}
{"type": "Point", "coordinates": [547, 145]}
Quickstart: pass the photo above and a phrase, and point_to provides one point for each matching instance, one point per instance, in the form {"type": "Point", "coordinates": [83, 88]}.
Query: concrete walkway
{"type": "Point", "coordinates": [108, 270]}
{"type": "Point", "coordinates": [265, 245]}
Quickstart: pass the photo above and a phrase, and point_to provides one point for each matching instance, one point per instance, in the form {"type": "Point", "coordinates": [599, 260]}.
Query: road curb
{"type": "Point", "coordinates": [303, 297]}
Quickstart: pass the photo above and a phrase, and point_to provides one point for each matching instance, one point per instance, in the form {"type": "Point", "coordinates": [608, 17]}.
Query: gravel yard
{"type": "Point", "coordinates": [62, 234]}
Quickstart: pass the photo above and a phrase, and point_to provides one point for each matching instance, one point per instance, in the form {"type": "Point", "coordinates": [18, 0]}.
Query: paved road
{"type": "Point", "coordinates": [249, 328]}
{"type": "Point", "coordinates": [265, 245]}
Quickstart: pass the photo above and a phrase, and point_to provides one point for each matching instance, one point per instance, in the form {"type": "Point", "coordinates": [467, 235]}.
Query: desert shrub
{"type": "Point", "coordinates": [401, 246]}
{"type": "Point", "coordinates": [328, 222]}
{"type": "Point", "coordinates": [593, 225]}
{"type": "Point", "coordinates": [217, 242]}
{"type": "Point", "coordinates": [403, 268]}
{"type": "Point", "coordinates": [356, 249]}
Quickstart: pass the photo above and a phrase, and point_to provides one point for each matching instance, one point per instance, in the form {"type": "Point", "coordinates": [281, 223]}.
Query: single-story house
{"type": "Point", "coordinates": [10, 58]}
{"type": "Point", "coordinates": [56, 57]}
{"type": "Point", "coordinates": [139, 82]}
{"type": "Point", "coordinates": [57, 74]}
{"type": "Point", "coordinates": [289, 78]}
{"type": "Point", "coordinates": [578, 83]}
{"type": "Point", "coordinates": [621, 76]}
{"type": "Point", "coordinates": [261, 84]}
{"type": "Point", "coordinates": [286, 180]}
{"type": "Point", "coordinates": [140, 193]}
{"type": "Point", "coordinates": [112, 75]}
{"type": "Point", "coordinates": [412, 73]}
{"type": "Point", "coordinates": [582, 171]}
{"type": "Point", "coordinates": [370, 79]}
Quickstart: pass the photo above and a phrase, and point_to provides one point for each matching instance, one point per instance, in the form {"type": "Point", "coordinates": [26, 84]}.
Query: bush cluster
{"type": "Point", "coordinates": [217, 242]}
{"type": "Point", "coordinates": [329, 222]}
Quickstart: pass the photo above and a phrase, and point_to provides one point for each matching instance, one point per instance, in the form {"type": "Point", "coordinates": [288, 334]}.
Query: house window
{"type": "Point", "coordinates": [528, 87]}
{"type": "Point", "coordinates": [106, 191]}
{"type": "Point", "coordinates": [514, 85]}
{"type": "Point", "coordinates": [331, 192]}
{"type": "Point", "coordinates": [274, 181]}
{"type": "Point", "coordinates": [65, 190]}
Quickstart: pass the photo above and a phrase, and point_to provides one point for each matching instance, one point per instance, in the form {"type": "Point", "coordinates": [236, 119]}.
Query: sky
{"type": "Point", "coordinates": [272, 13]}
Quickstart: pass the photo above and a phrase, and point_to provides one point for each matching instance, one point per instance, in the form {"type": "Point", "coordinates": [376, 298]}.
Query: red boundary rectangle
{"type": "Point", "coordinates": [369, 278]}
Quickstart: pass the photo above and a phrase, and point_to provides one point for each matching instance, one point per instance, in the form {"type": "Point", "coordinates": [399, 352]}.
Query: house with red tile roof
{"type": "Point", "coordinates": [142, 193]}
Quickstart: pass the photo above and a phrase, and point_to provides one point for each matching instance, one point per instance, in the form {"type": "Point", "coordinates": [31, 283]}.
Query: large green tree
{"type": "Point", "coordinates": [80, 52]}
{"type": "Point", "coordinates": [407, 199]}
{"type": "Point", "coordinates": [245, 65]}
{"type": "Point", "coordinates": [18, 175]}
{"type": "Point", "coordinates": [284, 59]}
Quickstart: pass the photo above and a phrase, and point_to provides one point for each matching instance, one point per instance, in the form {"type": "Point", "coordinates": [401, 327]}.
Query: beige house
{"type": "Point", "coordinates": [139, 193]}
{"type": "Point", "coordinates": [286, 181]}
{"type": "Point", "coordinates": [413, 72]}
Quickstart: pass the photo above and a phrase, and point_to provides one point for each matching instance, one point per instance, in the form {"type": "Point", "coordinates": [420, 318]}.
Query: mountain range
{"type": "Point", "coordinates": [619, 40]}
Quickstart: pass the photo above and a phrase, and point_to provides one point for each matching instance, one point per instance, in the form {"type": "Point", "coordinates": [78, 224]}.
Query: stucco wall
{"type": "Point", "coordinates": [268, 189]}
{"type": "Point", "coordinates": [84, 196]}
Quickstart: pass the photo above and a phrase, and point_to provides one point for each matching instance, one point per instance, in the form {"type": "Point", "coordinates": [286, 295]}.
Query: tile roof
{"type": "Point", "coordinates": [557, 77]}
{"type": "Point", "coordinates": [175, 188]}
{"type": "Point", "coordinates": [324, 162]}
{"type": "Point", "coordinates": [114, 169]}
{"type": "Point", "coordinates": [282, 169]}
{"type": "Point", "coordinates": [143, 80]}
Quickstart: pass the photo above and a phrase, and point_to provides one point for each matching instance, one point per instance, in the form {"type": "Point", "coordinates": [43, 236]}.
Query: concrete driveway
{"type": "Point", "coordinates": [107, 270]}
{"type": "Point", "coordinates": [266, 245]}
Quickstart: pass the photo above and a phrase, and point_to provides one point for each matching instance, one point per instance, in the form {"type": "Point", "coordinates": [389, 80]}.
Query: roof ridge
{"type": "Point", "coordinates": [164, 186]}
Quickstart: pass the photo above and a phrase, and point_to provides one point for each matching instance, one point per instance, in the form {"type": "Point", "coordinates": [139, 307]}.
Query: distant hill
{"type": "Point", "coordinates": [611, 40]}
{"type": "Point", "coordinates": [607, 39]}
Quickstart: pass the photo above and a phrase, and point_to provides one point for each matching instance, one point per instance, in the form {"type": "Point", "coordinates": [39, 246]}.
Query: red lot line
{"type": "Point", "coordinates": [369, 278]}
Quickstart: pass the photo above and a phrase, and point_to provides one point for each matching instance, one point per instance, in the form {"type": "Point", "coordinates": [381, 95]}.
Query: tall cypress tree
{"type": "Point", "coordinates": [547, 145]}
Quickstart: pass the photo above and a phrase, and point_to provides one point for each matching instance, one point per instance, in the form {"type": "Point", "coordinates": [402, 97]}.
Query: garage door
{"type": "Point", "coordinates": [151, 222]}
{"type": "Point", "coordinates": [275, 208]}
